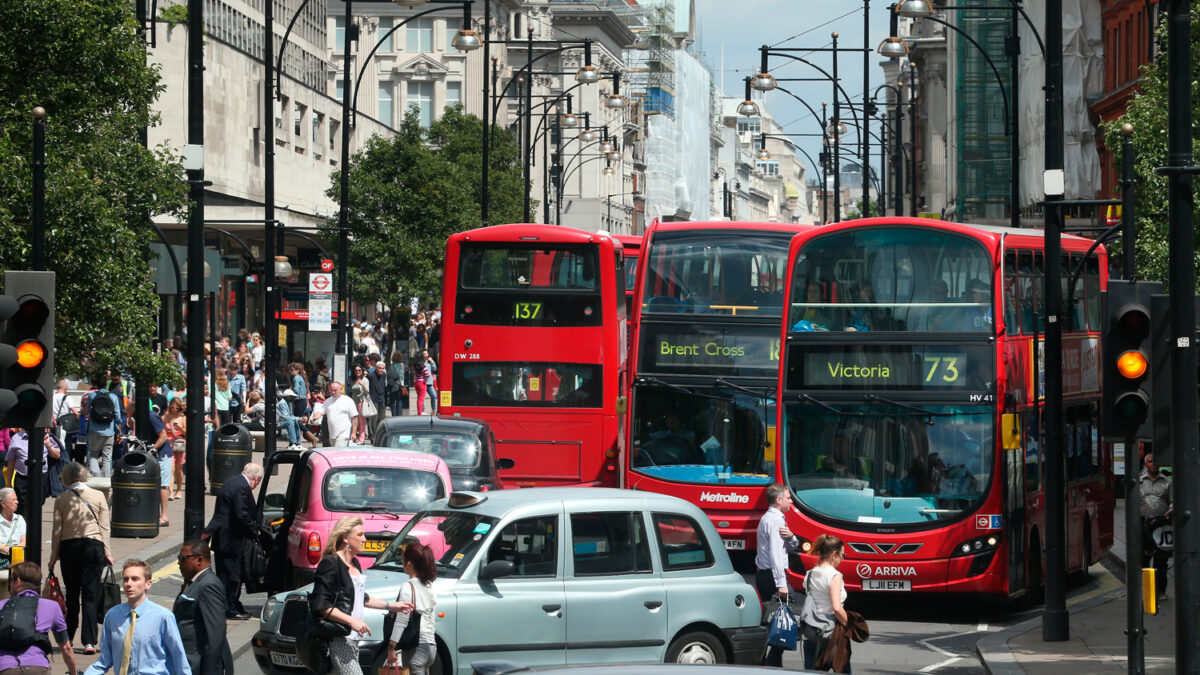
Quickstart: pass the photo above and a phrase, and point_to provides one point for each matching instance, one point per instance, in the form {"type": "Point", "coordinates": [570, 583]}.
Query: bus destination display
{"type": "Point", "coordinates": [943, 367]}
{"type": "Point", "coordinates": [745, 350]}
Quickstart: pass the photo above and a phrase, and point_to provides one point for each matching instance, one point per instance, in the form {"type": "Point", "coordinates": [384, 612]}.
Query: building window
{"type": "Point", "coordinates": [339, 33]}
{"type": "Point", "coordinates": [451, 31]}
{"type": "Point", "coordinates": [299, 121]}
{"type": "Point", "coordinates": [420, 94]}
{"type": "Point", "coordinates": [453, 94]}
{"type": "Point", "coordinates": [751, 125]}
{"type": "Point", "coordinates": [385, 103]}
{"type": "Point", "coordinates": [769, 168]}
{"type": "Point", "coordinates": [385, 28]}
{"type": "Point", "coordinates": [419, 36]}
{"type": "Point", "coordinates": [339, 89]}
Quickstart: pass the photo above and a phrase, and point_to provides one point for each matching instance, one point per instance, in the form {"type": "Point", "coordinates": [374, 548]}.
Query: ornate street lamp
{"type": "Point", "coordinates": [615, 101]}
{"type": "Point", "coordinates": [748, 108]}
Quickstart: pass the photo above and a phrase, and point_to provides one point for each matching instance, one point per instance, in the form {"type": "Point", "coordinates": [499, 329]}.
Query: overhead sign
{"type": "Point", "coordinates": [915, 367]}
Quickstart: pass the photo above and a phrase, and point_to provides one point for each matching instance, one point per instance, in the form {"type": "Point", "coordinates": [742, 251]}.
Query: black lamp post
{"type": "Point", "coordinates": [193, 514]}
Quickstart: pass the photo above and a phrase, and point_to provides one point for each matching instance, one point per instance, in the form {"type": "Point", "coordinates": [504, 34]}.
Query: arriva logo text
{"type": "Point", "coordinates": [724, 498]}
{"type": "Point", "coordinates": [865, 571]}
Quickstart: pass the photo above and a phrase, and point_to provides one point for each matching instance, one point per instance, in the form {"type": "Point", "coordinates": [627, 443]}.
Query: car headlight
{"type": "Point", "coordinates": [269, 609]}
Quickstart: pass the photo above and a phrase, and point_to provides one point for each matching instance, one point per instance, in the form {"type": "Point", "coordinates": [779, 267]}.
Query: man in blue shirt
{"type": "Point", "coordinates": [101, 429]}
{"type": "Point", "coordinates": [140, 636]}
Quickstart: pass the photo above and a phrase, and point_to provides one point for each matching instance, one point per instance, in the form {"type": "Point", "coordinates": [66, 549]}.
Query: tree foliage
{"type": "Point", "coordinates": [84, 61]}
{"type": "Point", "coordinates": [856, 211]}
{"type": "Point", "coordinates": [1147, 112]}
{"type": "Point", "coordinates": [410, 192]}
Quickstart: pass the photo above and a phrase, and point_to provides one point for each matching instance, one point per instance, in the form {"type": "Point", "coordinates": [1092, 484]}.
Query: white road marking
{"type": "Point", "coordinates": [982, 628]}
{"type": "Point", "coordinates": [928, 644]}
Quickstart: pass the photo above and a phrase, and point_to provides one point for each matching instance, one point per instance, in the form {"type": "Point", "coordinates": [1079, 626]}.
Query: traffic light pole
{"type": "Point", "coordinates": [1134, 630]}
{"type": "Point", "coordinates": [34, 461]}
{"type": "Point", "coordinates": [1182, 274]}
{"type": "Point", "coordinates": [193, 513]}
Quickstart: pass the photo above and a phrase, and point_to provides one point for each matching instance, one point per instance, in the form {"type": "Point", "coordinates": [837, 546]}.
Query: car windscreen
{"type": "Point", "coordinates": [385, 489]}
{"type": "Point", "coordinates": [454, 536]}
{"type": "Point", "coordinates": [459, 451]}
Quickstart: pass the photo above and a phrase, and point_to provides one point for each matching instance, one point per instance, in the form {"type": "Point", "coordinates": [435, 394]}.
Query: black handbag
{"type": "Point", "coordinates": [412, 630]}
{"type": "Point", "coordinates": [322, 628]}
{"type": "Point", "coordinates": [110, 593]}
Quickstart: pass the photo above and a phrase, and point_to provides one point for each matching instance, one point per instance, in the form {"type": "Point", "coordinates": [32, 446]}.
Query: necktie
{"type": "Point", "coordinates": [127, 650]}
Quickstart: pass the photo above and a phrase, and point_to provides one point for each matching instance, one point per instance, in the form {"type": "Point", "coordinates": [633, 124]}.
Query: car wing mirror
{"type": "Point", "coordinates": [496, 569]}
{"type": "Point", "coordinates": [505, 463]}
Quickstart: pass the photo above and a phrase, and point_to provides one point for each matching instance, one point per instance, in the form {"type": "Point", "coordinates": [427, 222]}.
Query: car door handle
{"type": "Point", "coordinates": [653, 604]}
{"type": "Point", "coordinates": [551, 608]}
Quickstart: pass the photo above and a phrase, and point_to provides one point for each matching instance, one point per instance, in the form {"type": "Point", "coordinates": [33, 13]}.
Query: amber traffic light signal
{"type": "Point", "coordinates": [1127, 350]}
{"type": "Point", "coordinates": [27, 349]}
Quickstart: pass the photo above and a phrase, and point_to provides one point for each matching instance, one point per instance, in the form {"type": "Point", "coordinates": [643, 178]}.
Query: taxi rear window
{"type": "Point", "coordinates": [385, 489]}
{"type": "Point", "coordinates": [681, 543]}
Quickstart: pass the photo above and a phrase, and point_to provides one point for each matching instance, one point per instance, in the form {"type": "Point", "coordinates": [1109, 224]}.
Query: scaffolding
{"type": "Point", "coordinates": [984, 152]}
{"type": "Point", "coordinates": [650, 62]}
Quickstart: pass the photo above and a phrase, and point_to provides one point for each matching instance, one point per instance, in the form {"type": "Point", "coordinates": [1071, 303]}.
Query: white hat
{"type": "Point", "coordinates": [288, 393]}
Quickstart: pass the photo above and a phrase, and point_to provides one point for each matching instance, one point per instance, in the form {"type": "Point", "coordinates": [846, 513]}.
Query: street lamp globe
{"type": "Point", "coordinates": [762, 155]}
{"type": "Point", "coordinates": [587, 75]}
{"type": "Point", "coordinates": [840, 128]}
{"type": "Point", "coordinates": [466, 40]}
{"type": "Point", "coordinates": [608, 172]}
{"type": "Point", "coordinates": [914, 9]}
{"type": "Point", "coordinates": [764, 82]}
{"type": "Point", "coordinates": [615, 101]}
{"type": "Point", "coordinates": [893, 47]}
{"type": "Point", "coordinates": [283, 267]}
{"type": "Point", "coordinates": [568, 120]}
{"type": "Point", "coordinates": [747, 108]}
{"type": "Point", "coordinates": [587, 135]}
{"type": "Point", "coordinates": [615, 155]}
{"type": "Point", "coordinates": [606, 147]}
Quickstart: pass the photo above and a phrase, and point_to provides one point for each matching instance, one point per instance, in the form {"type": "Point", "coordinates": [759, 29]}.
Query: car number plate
{"type": "Point", "coordinates": [886, 585]}
{"type": "Point", "coordinates": [734, 544]}
{"type": "Point", "coordinates": [282, 659]}
{"type": "Point", "coordinates": [375, 545]}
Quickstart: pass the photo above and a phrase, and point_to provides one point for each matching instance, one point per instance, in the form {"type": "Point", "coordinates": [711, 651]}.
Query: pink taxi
{"type": "Point", "coordinates": [305, 492]}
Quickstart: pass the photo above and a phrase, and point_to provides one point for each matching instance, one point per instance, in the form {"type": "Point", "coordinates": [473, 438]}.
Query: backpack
{"type": "Point", "coordinates": [101, 408]}
{"type": "Point", "coordinates": [17, 625]}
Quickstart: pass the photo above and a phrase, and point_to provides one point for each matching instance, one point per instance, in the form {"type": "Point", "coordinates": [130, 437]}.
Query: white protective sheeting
{"type": "Point", "coordinates": [678, 175]}
{"type": "Point", "coordinates": [1083, 77]}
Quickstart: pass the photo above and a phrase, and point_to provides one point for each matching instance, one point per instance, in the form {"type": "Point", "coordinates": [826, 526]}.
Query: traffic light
{"type": "Point", "coordinates": [1126, 350]}
{"type": "Point", "coordinates": [27, 349]}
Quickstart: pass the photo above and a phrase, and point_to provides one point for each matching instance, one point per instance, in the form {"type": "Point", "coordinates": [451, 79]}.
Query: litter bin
{"type": "Point", "coordinates": [231, 451]}
{"type": "Point", "coordinates": [135, 495]}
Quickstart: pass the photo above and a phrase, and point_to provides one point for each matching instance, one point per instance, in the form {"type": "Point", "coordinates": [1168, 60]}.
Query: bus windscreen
{"type": "Point", "coordinates": [725, 273]}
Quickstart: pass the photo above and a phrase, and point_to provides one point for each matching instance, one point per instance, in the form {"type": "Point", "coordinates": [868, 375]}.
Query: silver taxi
{"type": "Point", "coordinates": [549, 577]}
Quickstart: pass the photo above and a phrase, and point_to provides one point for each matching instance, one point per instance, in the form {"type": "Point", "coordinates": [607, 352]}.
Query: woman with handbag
{"type": "Point", "coordinates": [418, 646]}
{"type": "Point", "coordinates": [339, 596]}
{"type": "Point", "coordinates": [360, 391]}
{"type": "Point", "coordinates": [825, 591]}
{"type": "Point", "coordinates": [80, 539]}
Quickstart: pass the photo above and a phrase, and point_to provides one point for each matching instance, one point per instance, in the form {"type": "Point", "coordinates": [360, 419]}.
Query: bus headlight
{"type": "Point", "coordinates": [977, 545]}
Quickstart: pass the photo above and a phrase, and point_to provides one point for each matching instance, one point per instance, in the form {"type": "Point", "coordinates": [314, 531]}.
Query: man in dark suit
{"type": "Point", "coordinates": [200, 612]}
{"type": "Point", "coordinates": [234, 523]}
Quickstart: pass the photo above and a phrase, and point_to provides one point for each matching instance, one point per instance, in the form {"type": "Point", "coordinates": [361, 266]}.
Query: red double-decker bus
{"type": "Point", "coordinates": [909, 404]}
{"type": "Point", "coordinates": [533, 341]}
{"type": "Point", "coordinates": [705, 360]}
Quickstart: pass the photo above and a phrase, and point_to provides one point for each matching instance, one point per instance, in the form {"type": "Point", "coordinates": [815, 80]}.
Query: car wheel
{"type": "Point", "coordinates": [696, 647]}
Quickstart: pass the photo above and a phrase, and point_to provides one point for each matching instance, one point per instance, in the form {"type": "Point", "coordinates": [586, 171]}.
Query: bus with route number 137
{"type": "Point", "coordinates": [909, 401]}
{"type": "Point", "coordinates": [533, 342]}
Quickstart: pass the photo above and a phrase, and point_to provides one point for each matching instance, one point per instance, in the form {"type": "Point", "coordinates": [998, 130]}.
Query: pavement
{"type": "Point", "coordinates": [1097, 622]}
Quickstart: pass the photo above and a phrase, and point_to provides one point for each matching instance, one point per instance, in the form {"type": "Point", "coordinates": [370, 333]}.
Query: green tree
{"type": "Point", "coordinates": [1147, 112]}
{"type": "Point", "coordinates": [856, 210]}
{"type": "Point", "coordinates": [410, 192]}
{"type": "Point", "coordinates": [84, 61]}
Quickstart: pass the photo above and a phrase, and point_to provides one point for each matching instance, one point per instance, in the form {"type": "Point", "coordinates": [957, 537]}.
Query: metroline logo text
{"type": "Point", "coordinates": [864, 571]}
{"type": "Point", "coordinates": [724, 498]}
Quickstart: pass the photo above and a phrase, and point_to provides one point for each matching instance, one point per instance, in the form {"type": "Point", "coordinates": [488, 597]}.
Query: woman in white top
{"type": "Point", "coordinates": [12, 531]}
{"type": "Point", "coordinates": [827, 591]}
{"type": "Point", "coordinates": [422, 571]}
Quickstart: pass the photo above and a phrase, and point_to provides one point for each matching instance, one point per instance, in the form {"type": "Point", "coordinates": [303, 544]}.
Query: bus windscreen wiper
{"type": "Point", "coordinates": [764, 394]}
{"type": "Point", "coordinates": [872, 398]}
{"type": "Point", "coordinates": [659, 383]}
{"type": "Point", "coordinates": [809, 399]}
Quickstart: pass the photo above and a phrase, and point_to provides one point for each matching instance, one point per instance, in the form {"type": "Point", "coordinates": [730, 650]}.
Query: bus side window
{"type": "Point", "coordinates": [1011, 293]}
{"type": "Point", "coordinates": [1033, 455]}
{"type": "Point", "coordinates": [1028, 301]}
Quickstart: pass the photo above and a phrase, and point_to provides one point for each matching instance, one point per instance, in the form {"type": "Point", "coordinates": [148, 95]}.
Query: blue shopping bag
{"type": "Point", "coordinates": [784, 629]}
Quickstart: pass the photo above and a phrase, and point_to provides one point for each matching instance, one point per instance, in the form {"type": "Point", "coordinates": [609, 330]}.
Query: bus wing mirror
{"type": "Point", "coordinates": [505, 463]}
{"type": "Point", "coordinates": [622, 405]}
{"type": "Point", "coordinates": [1010, 432]}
